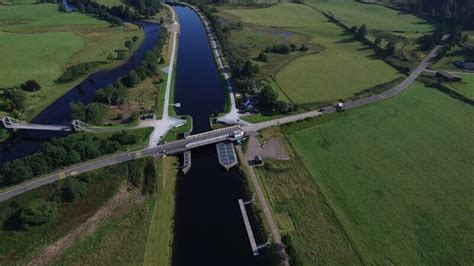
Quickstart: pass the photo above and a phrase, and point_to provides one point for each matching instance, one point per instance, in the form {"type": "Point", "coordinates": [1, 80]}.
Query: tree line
{"type": "Point", "coordinates": [44, 210]}
{"type": "Point", "coordinates": [451, 13]}
{"type": "Point", "coordinates": [62, 152]}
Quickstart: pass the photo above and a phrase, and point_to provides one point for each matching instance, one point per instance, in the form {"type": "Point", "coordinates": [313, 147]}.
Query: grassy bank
{"type": "Point", "coordinates": [160, 233]}
{"type": "Point", "coordinates": [396, 175]}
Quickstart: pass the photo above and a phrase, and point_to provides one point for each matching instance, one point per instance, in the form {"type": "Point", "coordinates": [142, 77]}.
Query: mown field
{"type": "Point", "coordinates": [344, 66]}
{"type": "Point", "coordinates": [396, 174]}
{"type": "Point", "coordinates": [38, 42]}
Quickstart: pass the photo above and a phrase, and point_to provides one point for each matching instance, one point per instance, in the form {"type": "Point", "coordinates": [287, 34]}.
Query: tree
{"type": "Point", "coordinates": [378, 40]}
{"type": "Point", "coordinates": [74, 190]}
{"type": "Point", "coordinates": [38, 212]}
{"type": "Point", "coordinates": [38, 164]}
{"type": "Point", "coordinates": [77, 111]}
{"type": "Point", "coordinates": [391, 47]}
{"type": "Point", "coordinates": [353, 29]}
{"type": "Point", "coordinates": [262, 57]}
{"type": "Point", "coordinates": [304, 48]}
{"type": "Point", "coordinates": [281, 107]}
{"type": "Point", "coordinates": [362, 31]}
{"type": "Point", "coordinates": [267, 99]}
{"type": "Point", "coordinates": [110, 57]}
{"type": "Point", "coordinates": [135, 38]}
{"type": "Point", "coordinates": [131, 79]}
{"type": "Point", "coordinates": [16, 171]}
{"type": "Point", "coordinates": [30, 85]}
{"type": "Point", "coordinates": [15, 99]}
{"type": "Point", "coordinates": [128, 44]}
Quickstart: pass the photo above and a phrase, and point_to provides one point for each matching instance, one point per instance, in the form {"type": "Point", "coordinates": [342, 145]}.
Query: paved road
{"type": "Point", "coordinates": [197, 140]}
{"type": "Point", "coordinates": [356, 103]}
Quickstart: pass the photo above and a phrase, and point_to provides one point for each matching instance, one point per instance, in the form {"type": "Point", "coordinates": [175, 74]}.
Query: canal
{"type": "Point", "coordinates": [209, 229]}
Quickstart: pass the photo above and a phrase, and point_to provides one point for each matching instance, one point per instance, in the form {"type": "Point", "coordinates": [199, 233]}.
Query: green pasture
{"type": "Point", "coordinates": [343, 67]}
{"type": "Point", "coordinates": [36, 56]}
{"type": "Point", "coordinates": [398, 177]}
{"type": "Point", "coordinates": [38, 42]}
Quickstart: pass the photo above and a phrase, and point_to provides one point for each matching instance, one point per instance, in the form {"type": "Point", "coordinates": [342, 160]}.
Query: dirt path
{"type": "Point", "coordinates": [55, 250]}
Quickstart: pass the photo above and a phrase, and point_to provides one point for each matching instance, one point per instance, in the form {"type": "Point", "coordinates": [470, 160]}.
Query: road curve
{"type": "Point", "coordinates": [356, 103]}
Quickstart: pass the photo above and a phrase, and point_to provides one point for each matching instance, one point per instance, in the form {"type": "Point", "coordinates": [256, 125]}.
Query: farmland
{"type": "Point", "coordinates": [342, 68]}
{"type": "Point", "coordinates": [38, 42]}
{"type": "Point", "coordinates": [396, 175]}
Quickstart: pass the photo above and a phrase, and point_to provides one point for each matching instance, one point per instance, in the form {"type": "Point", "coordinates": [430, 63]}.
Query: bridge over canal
{"type": "Point", "coordinates": [194, 141]}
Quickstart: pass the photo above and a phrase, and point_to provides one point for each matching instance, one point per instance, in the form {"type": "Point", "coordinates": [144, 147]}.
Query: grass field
{"type": "Point", "coordinates": [160, 233]}
{"type": "Point", "coordinates": [470, 38]}
{"type": "Point", "coordinates": [38, 42]}
{"type": "Point", "coordinates": [341, 69]}
{"type": "Point", "coordinates": [397, 175]}
{"type": "Point", "coordinates": [466, 87]}
{"type": "Point", "coordinates": [376, 17]}
{"type": "Point", "coordinates": [316, 234]}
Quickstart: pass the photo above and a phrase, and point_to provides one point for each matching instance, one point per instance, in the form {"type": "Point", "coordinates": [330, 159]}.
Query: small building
{"type": "Point", "coordinates": [466, 64]}
{"type": "Point", "coordinates": [446, 76]}
{"type": "Point", "coordinates": [258, 159]}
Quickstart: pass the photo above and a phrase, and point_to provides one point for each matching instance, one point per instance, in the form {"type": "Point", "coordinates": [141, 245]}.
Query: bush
{"type": "Point", "coordinates": [290, 249]}
{"type": "Point", "coordinates": [124, 138]}
{"type": "Point", "coordinates": [76, 71]}
{"type": "Point", "coordinates": [30, 85]}
{"type": "Point", "coordinates": [262, 57]}
{"type": "Point", "coordinates": [38, 212]}
{"type": "Point", "coordinates": [73, 190]}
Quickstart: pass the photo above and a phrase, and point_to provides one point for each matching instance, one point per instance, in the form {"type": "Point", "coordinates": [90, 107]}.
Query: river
{"type": "Point", "coordinates": [58, 112]}
{"type": "Point", "coordinates": [209, 229]}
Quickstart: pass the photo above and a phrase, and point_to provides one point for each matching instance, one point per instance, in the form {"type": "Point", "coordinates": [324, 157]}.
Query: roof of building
{"type": "Point", "coordinates": [447, 74]}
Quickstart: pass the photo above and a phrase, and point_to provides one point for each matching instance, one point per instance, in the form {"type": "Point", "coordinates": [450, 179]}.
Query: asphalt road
{"type": "Point", "coordinates": [208, 137]}
{"type": "Point", "coordinates": [356, 103]}
{"type": "Point", "coordinates": [157, 151]}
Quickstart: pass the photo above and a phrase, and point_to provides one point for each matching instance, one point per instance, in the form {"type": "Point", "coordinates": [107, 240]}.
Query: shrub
{"type": "Point", "coordinates": [38, 212]}
{"type": "Point", "coordinates": [73, 190]}
{"type": "Point", "coordinates": [30, 85]}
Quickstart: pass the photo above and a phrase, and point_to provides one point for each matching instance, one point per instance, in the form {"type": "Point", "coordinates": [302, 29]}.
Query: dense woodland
{"type": "Point", "coordinates": [452, 13]}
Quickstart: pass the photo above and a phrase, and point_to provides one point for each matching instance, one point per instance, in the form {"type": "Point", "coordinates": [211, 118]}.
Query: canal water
{"type": "Point", "coordinates": [209, 229]}
{"type": "Point", "coordinates": [58, 112]}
